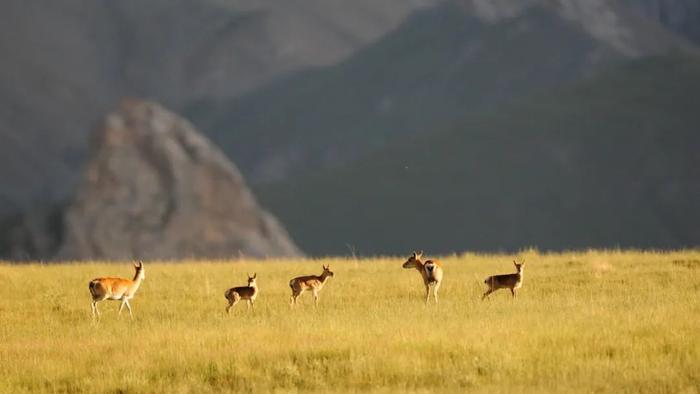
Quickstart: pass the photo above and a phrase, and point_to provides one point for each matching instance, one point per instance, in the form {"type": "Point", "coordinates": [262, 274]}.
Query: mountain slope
{"type": "Point", "coordinates": [612, 162]}
{"type": "Point", "coordinates": [154, 188]}
{"type": "Point", "coordinates": [681, 16]}
{"type": "Point", "coordinates": [442, 62]}
{"type": "Point", "coordinates": [67, 63]}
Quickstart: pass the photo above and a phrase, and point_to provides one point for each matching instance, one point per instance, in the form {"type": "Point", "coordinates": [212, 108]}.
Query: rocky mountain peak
{"type": "Point", "coordinates": [156, 188]}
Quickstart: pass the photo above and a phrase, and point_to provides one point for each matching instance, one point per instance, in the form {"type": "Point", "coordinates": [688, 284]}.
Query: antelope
{"type": "Point", "coordinates": [117, 289]}
{"type": "Point", "coordinates": [505, 281]}
{"type": "Point", "coordinates": [311, 282]}
{"type": "Point", "coordinates": [430, 271]}
{"type": "Point", "coordinates": [248, 293]}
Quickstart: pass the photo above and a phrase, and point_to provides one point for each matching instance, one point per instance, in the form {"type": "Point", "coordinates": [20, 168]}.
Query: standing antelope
{"type": "Point", "coordinates": [430, 271]}
{"type": "Point", "coordinates": [311, 282]}
{"type": "Point", "coordinates": [117, 289]}
{"type": "Point", "coordinates": [506, 281]}
{"type": "Point", "coordinates": [248, 293]}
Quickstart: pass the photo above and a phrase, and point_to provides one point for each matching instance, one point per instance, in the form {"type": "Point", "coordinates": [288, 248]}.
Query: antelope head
{"type": "Point", "coordinates": [327, 270]}
{"type": "Point", "coordinates": [138, 266]}
{"type": "Point", "coordinates": [518, 266]}
{"type": "Point", "coordinates": [413, 259]}
{"type": "Point", "coordinates": [251, 279]}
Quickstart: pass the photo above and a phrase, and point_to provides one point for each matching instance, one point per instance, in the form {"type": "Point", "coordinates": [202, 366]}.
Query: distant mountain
{"type": "Point", "coordinates": [681, 16]}
{"type": "Point", "coordinates": [456, 57]}
{"type": "Point", "coordinates": [611, 162]}
{"type": "Point", "coordinates": [292, 88]}
{"type": "Point", "coordinates": [65, 63]}
{"type": "Point", "coordinates": [154, 188]}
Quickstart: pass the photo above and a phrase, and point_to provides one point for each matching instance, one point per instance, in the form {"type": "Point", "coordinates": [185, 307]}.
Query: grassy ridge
{"type": "Point", "coordinates": [594, 321]}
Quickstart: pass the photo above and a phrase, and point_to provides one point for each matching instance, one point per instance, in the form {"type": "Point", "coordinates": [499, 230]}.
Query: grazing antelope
{"type": "Point", "coordinates": [311, 282]}
{"type": "Point", "coordinates": [430, 271]}
{"type": "Point", "coordinates": [117, 289]}
{"type": "Point", "coordinates": [506, 281]}
{"type": "Point", "coordinates": [248, 293]}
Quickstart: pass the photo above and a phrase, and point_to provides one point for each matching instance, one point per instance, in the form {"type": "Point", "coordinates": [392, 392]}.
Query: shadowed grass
{"type": "Point", "coordinates": [583, 322]}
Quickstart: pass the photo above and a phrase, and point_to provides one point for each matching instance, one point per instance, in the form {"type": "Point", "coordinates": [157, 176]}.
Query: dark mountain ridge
{"type": "Point", "coordinates": [440, 63]}
{"type": "Point", "coordinates": [609, 163]}
{"type": "Point", "coordinates": [67, 63]}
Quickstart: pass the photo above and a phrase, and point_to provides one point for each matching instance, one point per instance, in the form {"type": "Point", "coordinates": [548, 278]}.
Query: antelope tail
{"type": "Point", "coordinates": [430, 270]}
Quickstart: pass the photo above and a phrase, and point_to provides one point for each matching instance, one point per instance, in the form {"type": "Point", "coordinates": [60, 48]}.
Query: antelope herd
{"type": "Point", "coordinates": [119, 289]}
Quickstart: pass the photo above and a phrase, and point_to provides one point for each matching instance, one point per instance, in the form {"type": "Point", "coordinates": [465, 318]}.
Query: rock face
{"type": "Point", "coordinates": [66, 63]}
{"type": "Point", "coordinates": [681, 16]}
{"type": "Point", "coordinates": [633, 27]}
{"type": "Point", "coordinates": [465, 56]}
{"type": "Point", "coordinates": [155, 188]}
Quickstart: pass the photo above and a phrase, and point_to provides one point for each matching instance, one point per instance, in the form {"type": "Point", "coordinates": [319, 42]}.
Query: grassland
{"type": "Point", "coordinates": [583, 322]}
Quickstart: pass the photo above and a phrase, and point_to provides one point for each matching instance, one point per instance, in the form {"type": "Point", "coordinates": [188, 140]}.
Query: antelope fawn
{"type": "Point", "coordinates": [248, 293]}
{"type": "Point", "coordinates": [506, 281]}
{"type": "Point", "coordinates": [117, 289]}
{"type": "Point", "coordinates": [311, 282]}
{"type": "Point", "coordinates": [430, 271]}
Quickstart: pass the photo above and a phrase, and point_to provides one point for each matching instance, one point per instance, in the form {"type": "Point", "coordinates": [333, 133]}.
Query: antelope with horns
{"type": "Point", "coordinates": [248, 293]}
{"type": "Point", "coordinates": [506, 281]}
{"type": "Point", "coordinates": [117, 289]}
{"type": "Point", "coordinates": [311, 282]}
{"type": "Point", "coordinates": [430, 271]}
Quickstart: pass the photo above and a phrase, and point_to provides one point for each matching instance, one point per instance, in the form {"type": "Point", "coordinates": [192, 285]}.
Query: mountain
{"type": "Point", "coordinates": [292, 88]}
{"type": "Point", "coordinates": [611, 162]}
{"type": "Point", "coordinates": [456, 57]}
{"type": "Point", "coordinates": [154, 188]}
{"type": "Point", "coordinates": [66, 63]}
{"type": "Point", "coordinates": [681, 16]}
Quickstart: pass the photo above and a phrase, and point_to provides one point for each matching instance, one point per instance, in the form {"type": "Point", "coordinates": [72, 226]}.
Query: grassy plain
{"type": "Point", "coordinates": [597, 321]}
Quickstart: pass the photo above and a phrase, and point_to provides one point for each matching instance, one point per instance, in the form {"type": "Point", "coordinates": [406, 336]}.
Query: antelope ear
{"type": "Point", "coordinates": [255, 275]}
{"type": "Point", "coordinates": [419, 254]}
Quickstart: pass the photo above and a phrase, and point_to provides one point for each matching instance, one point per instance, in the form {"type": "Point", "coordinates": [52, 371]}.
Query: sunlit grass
{"type": "Point", "coordinates": [583, 322]}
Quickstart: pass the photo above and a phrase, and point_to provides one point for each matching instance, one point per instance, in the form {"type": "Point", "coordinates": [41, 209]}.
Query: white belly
{"type": "Point", "coordinates": [118, 297]}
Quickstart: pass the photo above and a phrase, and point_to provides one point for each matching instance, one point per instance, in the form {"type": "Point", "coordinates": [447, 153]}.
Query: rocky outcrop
{"type": "Point", "coordinates": [64, 64]}
{"type": "Point", "coordinates": [155, 188]}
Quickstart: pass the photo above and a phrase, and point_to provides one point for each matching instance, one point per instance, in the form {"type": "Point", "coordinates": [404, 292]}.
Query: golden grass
{"type": "Point", "coordinates": [599, 321]}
